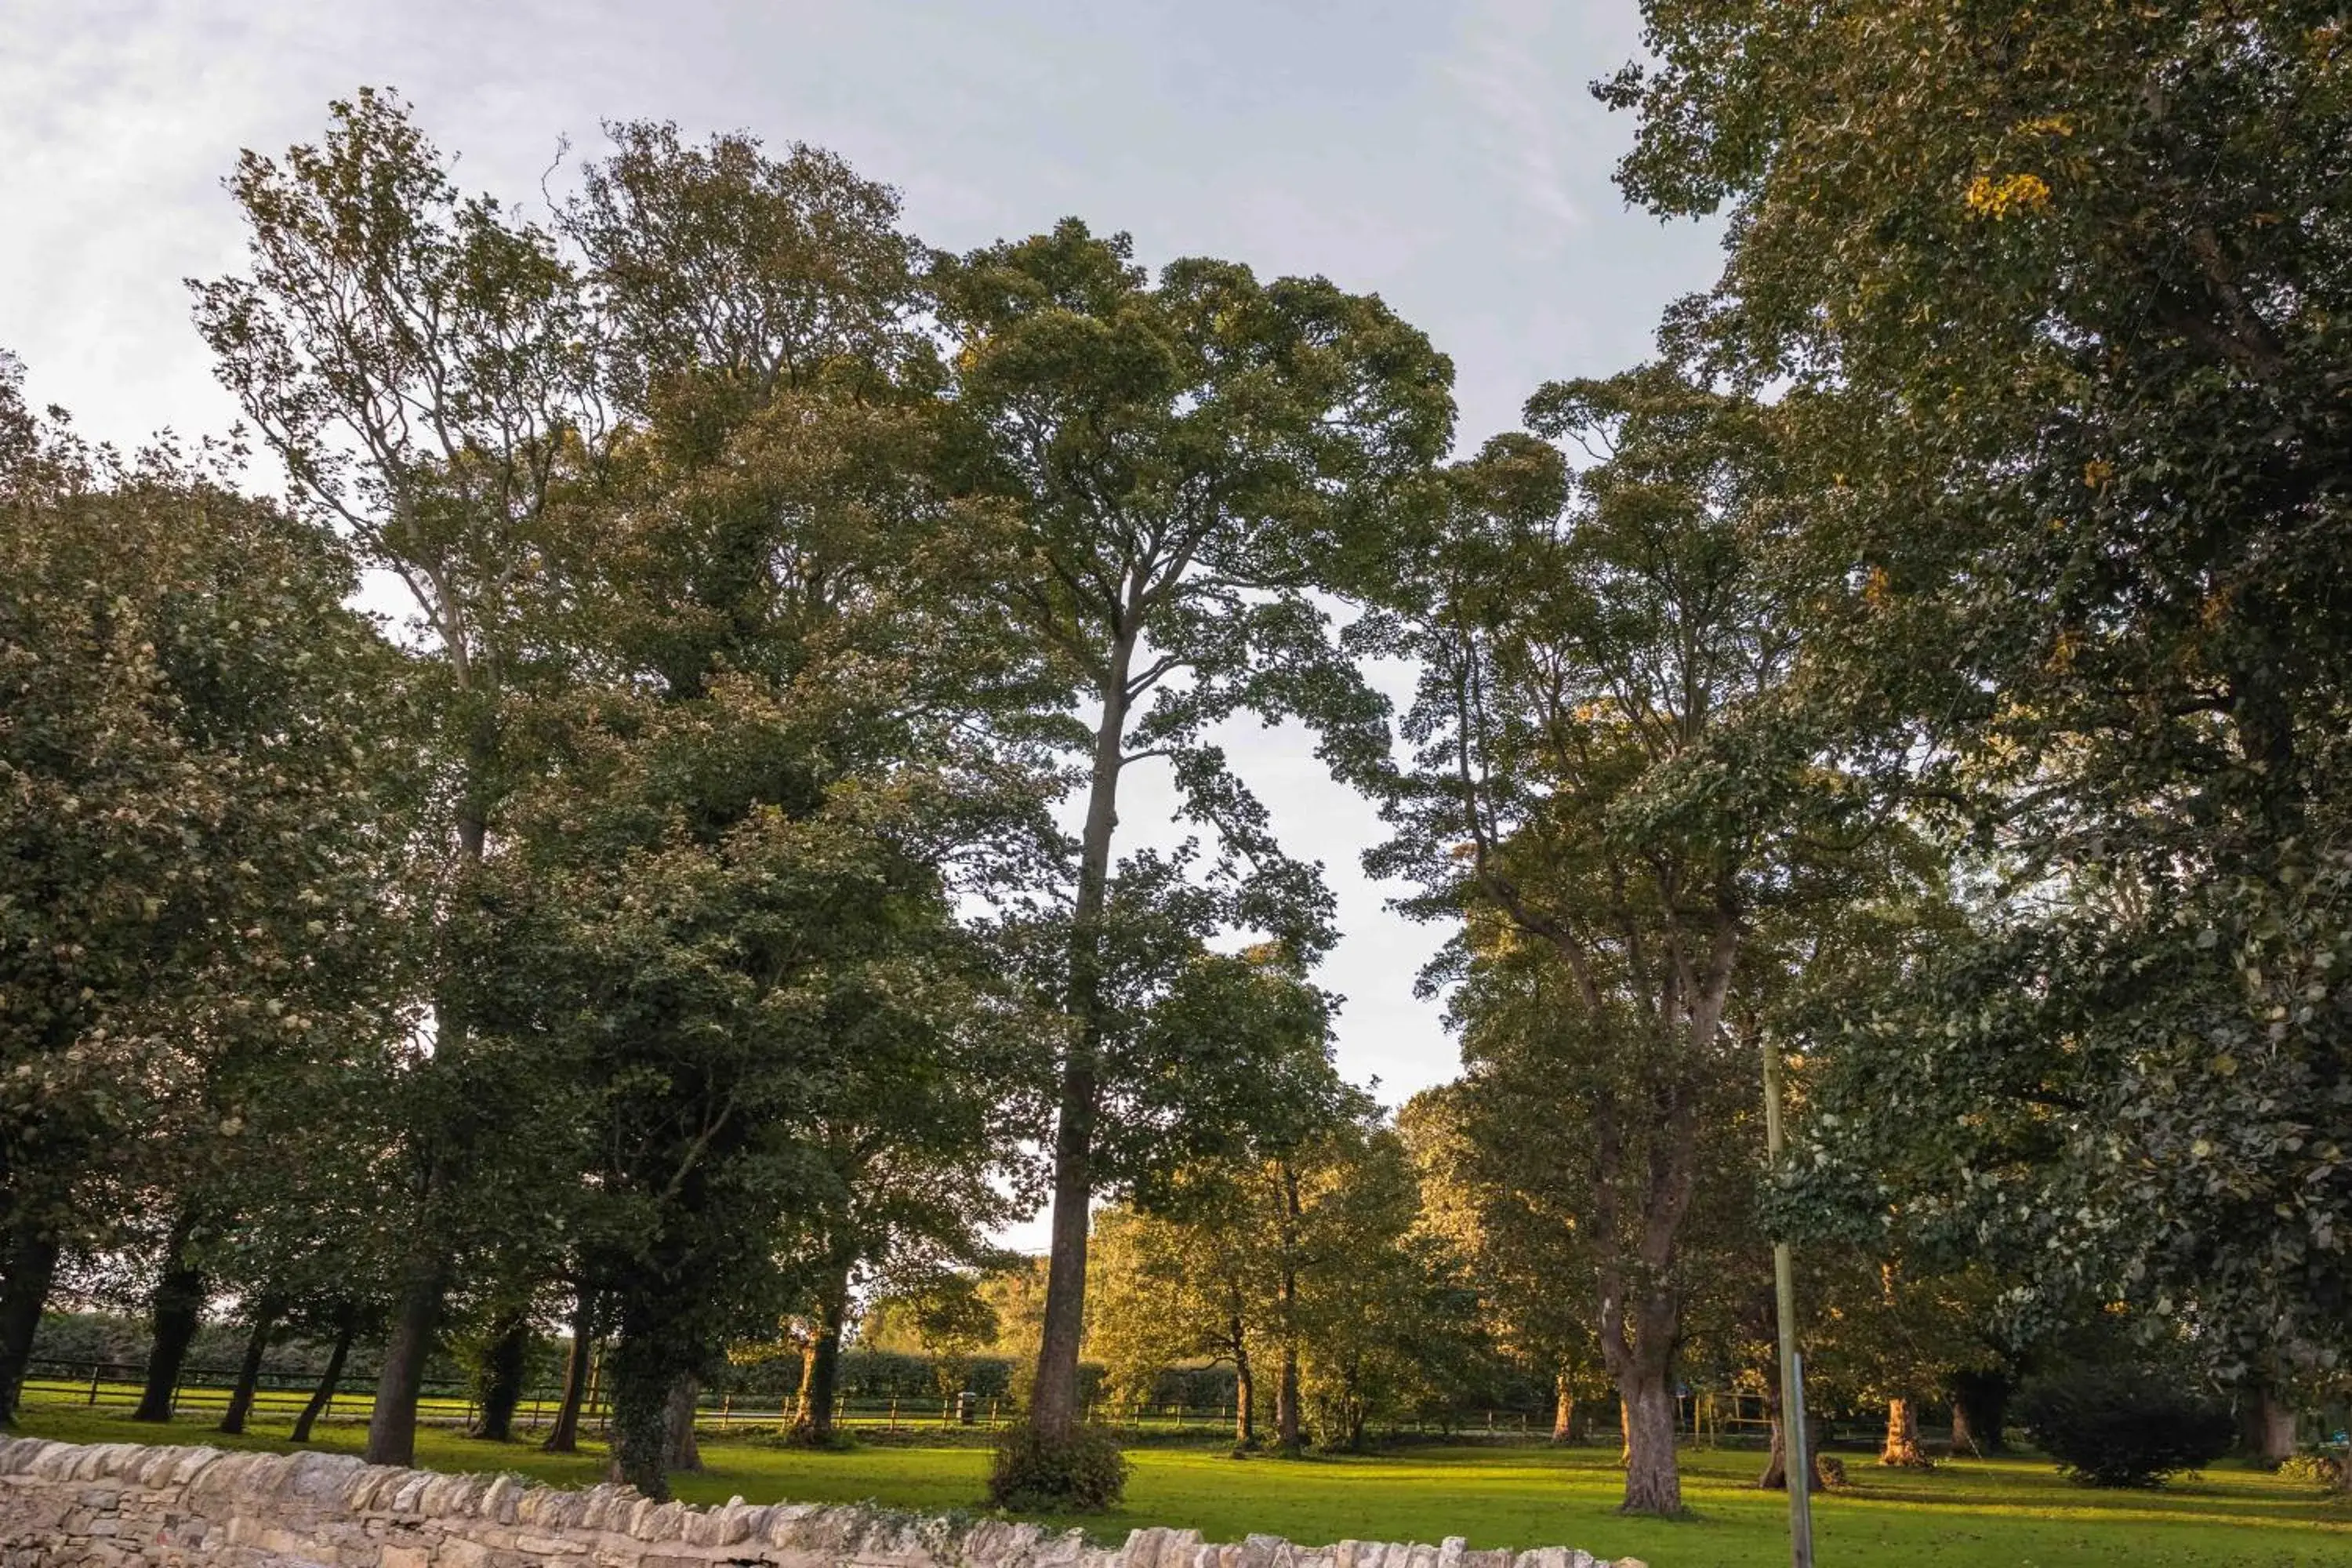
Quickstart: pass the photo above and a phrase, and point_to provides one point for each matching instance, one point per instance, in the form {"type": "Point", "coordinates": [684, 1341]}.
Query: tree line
{"type": "Point", "coordinates": [1927, 674]}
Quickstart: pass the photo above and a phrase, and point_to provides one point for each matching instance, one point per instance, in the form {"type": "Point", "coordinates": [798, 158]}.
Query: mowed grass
{"type": "Point", "coordinates": [1993, 1514]}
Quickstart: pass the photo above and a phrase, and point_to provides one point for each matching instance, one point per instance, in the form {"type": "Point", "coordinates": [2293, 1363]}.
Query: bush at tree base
{"type": "Point", "coordinates": [1082, 1473]}
{"type": "Point", "coordinates": [2123, 1427]}
{"type": "Point", "coordinates": [2313, 1470]}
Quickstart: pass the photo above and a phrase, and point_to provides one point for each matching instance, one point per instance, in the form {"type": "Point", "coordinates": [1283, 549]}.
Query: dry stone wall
{"type": "Point", "coordinates": [120, 1504]}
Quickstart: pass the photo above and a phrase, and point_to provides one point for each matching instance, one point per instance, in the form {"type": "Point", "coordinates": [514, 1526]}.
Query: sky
{"type": "Point", "coordinates": [1442, 153]}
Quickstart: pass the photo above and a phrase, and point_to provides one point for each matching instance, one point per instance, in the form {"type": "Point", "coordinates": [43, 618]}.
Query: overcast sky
{"type": "Point", "coordinates": [1442, 153]}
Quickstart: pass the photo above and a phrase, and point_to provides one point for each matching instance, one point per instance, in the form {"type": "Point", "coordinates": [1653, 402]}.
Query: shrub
{"type": "Point", "coordinates": [2313, 1470]}
{"type": "Point", "coordinates": [2123, 1427]}
{"type": "Point", "coordinates": [1083, 1473]}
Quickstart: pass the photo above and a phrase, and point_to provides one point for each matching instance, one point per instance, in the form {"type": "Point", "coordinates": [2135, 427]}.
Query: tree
{"type": "Point", "coordinates": [1614, 788]}
{"type": "Point", "coordinates": [1155, 475]}
{"type": "Point", "coordinates": [2060, 298]}
{"type": "Point", "coordinates": [1211, 1261]}
{"type": "Point", "coordinates": [192, 751]}
{"type": "Point", "coordinates": [1381, 1328]}
{"type": "Point", "coordinates": [737, 893]}
{"type": "Point", "coordinates": [1163, 1292]}
{"type": "Point", "coordinates": [1498, 1196]}
{"type": "Point", "coordinates": [420, 363]}
{"type": "Point", "coordinates": [922, 1168]}
{"type": "Point", "coordinates": [733, 986]}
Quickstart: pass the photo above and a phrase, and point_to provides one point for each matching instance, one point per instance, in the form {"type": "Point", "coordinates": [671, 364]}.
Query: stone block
{"type": "Point", "coordinates": [500, 1500]}
{"type": "Point", "coordinates": [455, 1553]}
{"type": "Point", "coordinates": [532, 1545]}
{"type": "Point", "coordinates": [319, 1478]}
{"type": "Point", "coordinates": [664, 1522]}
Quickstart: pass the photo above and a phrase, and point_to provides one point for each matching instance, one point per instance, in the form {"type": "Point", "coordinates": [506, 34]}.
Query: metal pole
{"type": "Point", "coordinates": [1795, 1461]}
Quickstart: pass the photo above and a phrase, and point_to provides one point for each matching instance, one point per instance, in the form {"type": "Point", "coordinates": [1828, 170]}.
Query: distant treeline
{"type": "Point", "coordinates": [120, 1340]}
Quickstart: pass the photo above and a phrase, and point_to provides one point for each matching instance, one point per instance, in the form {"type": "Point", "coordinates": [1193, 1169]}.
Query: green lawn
{"type": "Point", "coordinates": [1998, 1514]}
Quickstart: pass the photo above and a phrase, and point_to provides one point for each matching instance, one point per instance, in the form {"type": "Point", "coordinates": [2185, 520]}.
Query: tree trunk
{"type": "Point", "coordinates": [1980, 1411]}
{"type": "Point", "coordinates": [1639, 1332]}
{"type": "Point", "coordinates": [324, 1394]}
{"type": "Point", "coordinates": [680, 1451]}
{"type": "Point", "coordinates": [248, 1371]}
{"type": "Point", "coordinates": [1653, 1483]}
{"type": "Point", "coordinates": [1054, 1395]}
{"type": "Point", "coordinates": [178, 1311]}
{"type": "Point", "coordinates": [1287, 1435]}
{"type": "Point", "coordinates": [563, 1438]}
{"type": "Point", "coordinates": [32, 1263]}
{"type": "Point", "coordinates": [1245, 1392]}
{"type": "Point", "coordinates": [503, 1366]}
{"type": "Point", "coordinates": [392, 1427]}
{"type": "Point", "coordinates": [1054, 1410]}
{"type": "Point", "coordinates": [2267, 1425]}
{"type": "Point", "coordinates": [1563, 1410]}
{"type": "Point", "coordinates": [640, 1385]}
{"type": "Point", "coordinates": [1902, 1446]}
{"type": "Point", "coordinates": [1775, 1477]}
{"type": "Point", "coordinates": [1288, 1425]}
{"type": "Point", "coordinates": [820, 1363]}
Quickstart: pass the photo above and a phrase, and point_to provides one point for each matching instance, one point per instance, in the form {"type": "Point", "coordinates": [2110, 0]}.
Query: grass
{"type": "Point", "coordinates": [2012, 1513]}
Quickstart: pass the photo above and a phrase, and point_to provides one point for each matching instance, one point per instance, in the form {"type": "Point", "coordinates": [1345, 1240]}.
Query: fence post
{"type": "Point", "coordinates": [93, 1384]}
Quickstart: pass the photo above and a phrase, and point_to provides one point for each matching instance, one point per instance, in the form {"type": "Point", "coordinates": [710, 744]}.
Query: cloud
{"type": "Point", "coordinates": [1526, 104]}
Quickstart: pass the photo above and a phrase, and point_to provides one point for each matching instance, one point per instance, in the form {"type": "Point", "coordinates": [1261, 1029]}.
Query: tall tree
{"type": "Point", "coordinates": [1157, 475]}
{"type": "Point", "coordinates": [1612, 785]}
{"type": "Point", "coordinates": [793, 1031]}
{"type": "Point", "coordinates": [2061, 294]}
{"type": "Point", "coordinates": [420, 363]}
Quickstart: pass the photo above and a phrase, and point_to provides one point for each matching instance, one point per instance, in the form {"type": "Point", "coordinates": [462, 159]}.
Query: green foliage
{"type": "Point", "coordinates": [2059, 300]}
{"type": "Point", "coordinates": [1152, 477]}
{"type": "Point", "coordinates": [204, 759]}
{"type": "Point", "coordinates": [1081, 1471]}
{"type": "Point", "coordinates": [1615, 790]}
{"type": "Point", "coordinates": [2312, 1470]}
{"type": "Point", "coordinates": [2123, 1425]}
